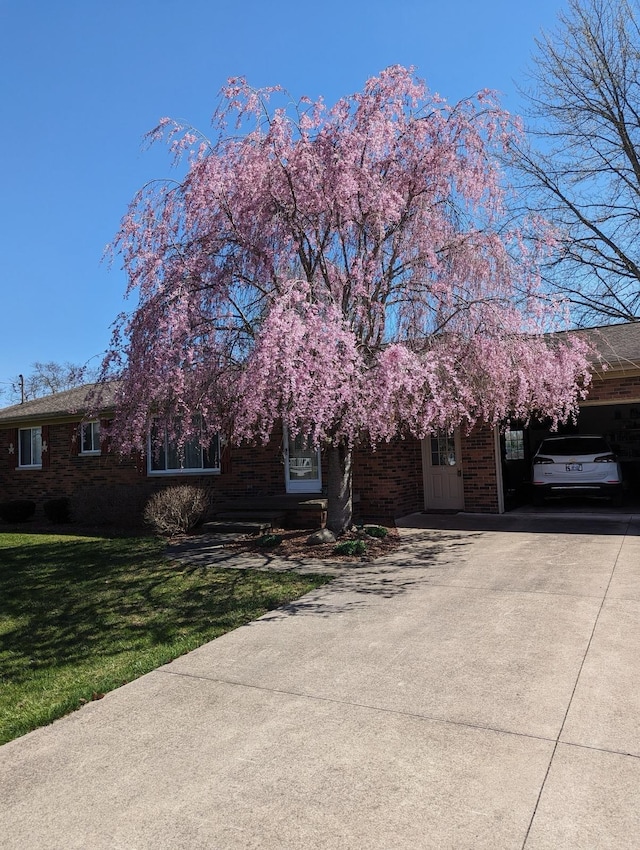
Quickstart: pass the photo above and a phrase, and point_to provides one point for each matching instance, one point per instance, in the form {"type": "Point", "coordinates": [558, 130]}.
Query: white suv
{"type": "Point", "coordinates": [576, 465]}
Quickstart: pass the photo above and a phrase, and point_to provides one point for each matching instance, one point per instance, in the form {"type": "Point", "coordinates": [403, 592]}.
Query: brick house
{"type": "Point", "coordinates": [49, 449]}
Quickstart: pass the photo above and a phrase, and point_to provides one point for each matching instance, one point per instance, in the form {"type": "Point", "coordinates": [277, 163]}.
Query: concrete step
{"type": "Point", "coordinates": [240, 514]}
{"type": "Point", "coordinates": [279, 512]}
{"type": "Point", "coordinates": [236, 526]}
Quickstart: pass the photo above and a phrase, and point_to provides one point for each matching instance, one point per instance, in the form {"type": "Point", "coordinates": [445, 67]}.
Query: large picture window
{"type": "Point", "coordinates": [30, 447]}
{"type": "Point", "coordinates": [193, 458]}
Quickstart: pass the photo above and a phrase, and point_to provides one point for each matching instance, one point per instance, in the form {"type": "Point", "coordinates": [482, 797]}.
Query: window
{"type": "Point", "coordinates": [90, 438]}
{"type": "Point", "coordinates": [443, 449]}
{"type": "Point", "coordinates": [191, 459]}
{"type": "Point", "coordinates": [303, 473]}
{"type": "Point", "coordinates": [514, 444]}
{"type": "Point", "coordinates": [30, 447]}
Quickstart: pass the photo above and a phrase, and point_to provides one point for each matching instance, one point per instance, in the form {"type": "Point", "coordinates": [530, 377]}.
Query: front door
{"type": "Point", "coordinates": [442, 470]}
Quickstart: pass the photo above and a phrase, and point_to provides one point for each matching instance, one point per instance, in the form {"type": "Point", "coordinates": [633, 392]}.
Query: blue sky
{"type": "Point", "coordinates": [82, 81]}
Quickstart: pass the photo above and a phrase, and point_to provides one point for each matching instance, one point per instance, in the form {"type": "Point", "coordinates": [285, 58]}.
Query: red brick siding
{"type": "Point", "coordinates": [65, 471]}
{"type": "Point", "coordinates": [253, 471]}
{"type": "Point", "coordinates": [389, 481]}
{"type": "Point", "coordinates": [479, 471]}
{"type": "Point", "coordinates": [619, 388]}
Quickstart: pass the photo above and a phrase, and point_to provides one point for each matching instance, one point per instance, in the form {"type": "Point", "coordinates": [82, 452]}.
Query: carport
{"type": "Point", "coordinates": [612, 409]}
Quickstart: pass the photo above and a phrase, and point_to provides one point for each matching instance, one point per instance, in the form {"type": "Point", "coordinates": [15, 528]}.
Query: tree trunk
{"type": "Point", "coordinates": [340, 507]}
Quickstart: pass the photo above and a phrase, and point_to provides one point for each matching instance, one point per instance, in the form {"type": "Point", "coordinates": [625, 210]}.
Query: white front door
{"type": "Point", "coordinates": [442, 471]}
{"type": "Point", "coordinates": [302, 470]}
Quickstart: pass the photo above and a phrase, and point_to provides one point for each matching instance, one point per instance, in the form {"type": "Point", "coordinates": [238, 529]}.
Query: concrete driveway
{"type": "Point", "coordinates": [479, 689]}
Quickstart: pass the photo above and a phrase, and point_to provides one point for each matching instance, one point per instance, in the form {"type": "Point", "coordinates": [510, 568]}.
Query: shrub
{"type": "Point", "coordinates": [378, 531]}
{"type": "Point", "coordinates": [177, 510]}
{"type": "Point", "coordinates": [269, 541]}
{"type": "Point", "coordinates": [17, 510]}
{"type": "Point", "coordinates": [351, 547]}
{"type": "Point", "coordinates": [58, 510]}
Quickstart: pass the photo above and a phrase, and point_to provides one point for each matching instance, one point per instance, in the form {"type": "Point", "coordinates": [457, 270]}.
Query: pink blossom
{"type": "Point", "coordinates": [345, 270]}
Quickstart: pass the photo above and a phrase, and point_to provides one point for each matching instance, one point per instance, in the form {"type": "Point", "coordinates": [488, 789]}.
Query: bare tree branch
{"type": "Point", "coordinates": [581, 167]}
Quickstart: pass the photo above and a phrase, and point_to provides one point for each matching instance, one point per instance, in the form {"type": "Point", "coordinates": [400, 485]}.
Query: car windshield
{"type": "Point", "coordinates": [574, 446]}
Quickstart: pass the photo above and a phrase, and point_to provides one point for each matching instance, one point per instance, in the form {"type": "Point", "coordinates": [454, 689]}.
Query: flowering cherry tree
{"type": "Point", "coordinates": [345, 271]}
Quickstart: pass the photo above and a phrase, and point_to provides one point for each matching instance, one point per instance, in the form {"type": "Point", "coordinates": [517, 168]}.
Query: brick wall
{"type": "Point", "coordinates": [479, 471]}
{"type": "Point", "coordinates": [65, 470]}
{"type": "Point", "coordinates": [619, 388]}
{"type": "Point", "coordinates": [248, 471]}
{"type": "Point", "coordinates": [388, 482]}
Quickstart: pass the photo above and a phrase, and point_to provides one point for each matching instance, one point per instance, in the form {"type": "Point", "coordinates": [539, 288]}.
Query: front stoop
{"type": "Point", "coordinates": [236, 526]}
{"type": "Point", "coordinates": [266, 512]}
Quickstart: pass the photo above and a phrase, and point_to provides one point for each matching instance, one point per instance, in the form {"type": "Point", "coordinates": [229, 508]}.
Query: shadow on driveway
{"type": "Point", "coordinates": [564, 519]}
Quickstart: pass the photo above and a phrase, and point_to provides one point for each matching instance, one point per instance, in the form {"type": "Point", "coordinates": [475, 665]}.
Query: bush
{"type": "Point", "coordinates": [58, 510]}
{"type": "Point", "coordinates": [269, 541]}
{"type": "Point", "coordinates": [351, 547]}
{"type": "Point", "coordinates": [378, 531]}
{"type": "Point", "coordinates": [177, 510]}
{"type": "Point", "coordinates": [17, 510]}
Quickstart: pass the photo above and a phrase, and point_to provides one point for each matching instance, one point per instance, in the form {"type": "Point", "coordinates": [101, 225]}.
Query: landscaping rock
{"type": "Point", "coordinates": [322, 536]}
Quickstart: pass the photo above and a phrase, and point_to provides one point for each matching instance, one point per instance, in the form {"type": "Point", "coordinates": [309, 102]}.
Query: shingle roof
{"type": "Point", "coordinates": [618, 345]}
{"type": "Point", "coordinates": [66, 403]}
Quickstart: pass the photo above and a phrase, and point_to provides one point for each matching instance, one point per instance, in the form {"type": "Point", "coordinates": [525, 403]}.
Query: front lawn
{"type": "Point", "coordinates": [80, 616]}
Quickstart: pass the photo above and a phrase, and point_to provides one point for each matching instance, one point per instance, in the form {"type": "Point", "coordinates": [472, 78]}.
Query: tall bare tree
{"type": "Point", "coordinates": [581, 169]}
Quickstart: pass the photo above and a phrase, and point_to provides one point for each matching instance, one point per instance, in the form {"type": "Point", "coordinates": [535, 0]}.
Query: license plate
{"type": "Point", "coordinates": [574, 467]}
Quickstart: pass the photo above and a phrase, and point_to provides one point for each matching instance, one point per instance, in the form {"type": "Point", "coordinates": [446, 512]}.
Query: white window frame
{"type": "Point", "coordinates": [32, 429]}
{"type": "Point", "coordinates": [193, 470]}
{"type": "Point", "coordinates": [94, 425]}
{"type": "Point", "coordinates": [294, 484]}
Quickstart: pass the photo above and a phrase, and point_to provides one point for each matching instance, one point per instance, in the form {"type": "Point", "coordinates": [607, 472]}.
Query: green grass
{"type": "Point", "coordinates": [80, 616]}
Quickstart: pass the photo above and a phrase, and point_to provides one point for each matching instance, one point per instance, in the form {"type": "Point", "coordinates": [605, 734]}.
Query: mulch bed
{"type": "Point", "coordinates": [294, 545]}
